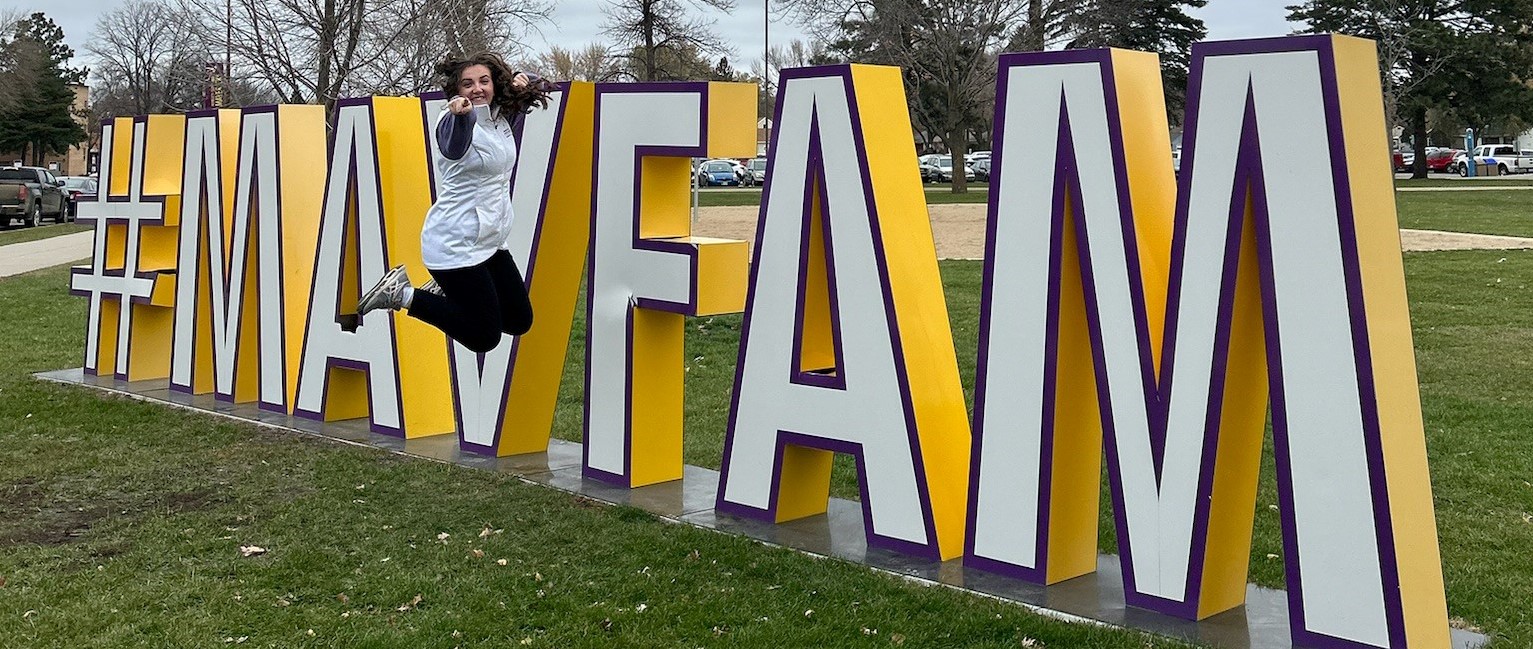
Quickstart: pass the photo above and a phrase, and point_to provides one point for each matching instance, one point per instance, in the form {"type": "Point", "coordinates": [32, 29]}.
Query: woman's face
{"type": "Point", "coordinates": [476, 85]}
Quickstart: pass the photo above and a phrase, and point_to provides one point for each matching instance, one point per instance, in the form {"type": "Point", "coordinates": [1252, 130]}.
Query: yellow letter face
{"type": "Point", "coordinates": [647, 270]}
{"type": "Point", "coordinates": [846, 345]}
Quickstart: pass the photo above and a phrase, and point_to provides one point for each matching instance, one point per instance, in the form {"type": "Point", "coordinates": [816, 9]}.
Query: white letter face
{"type": "Point", "coordinates": [255, 219]}
{"type": "Point", "coordinates": [482, 382]}
{"type": "Point", "coordinates": [329, 349]}
{"type": "Point", "coordinates": [1265, 257]}
{"type": "Point", "coordinates": [863, 409]}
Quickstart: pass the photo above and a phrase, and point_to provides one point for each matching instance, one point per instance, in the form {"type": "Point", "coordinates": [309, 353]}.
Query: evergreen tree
{"type": "Point", "coordinates": [39, 118]}
{"type": "Point", "coordinates": [1148, 26]}
{"type": "Point", "coordinates": [1468, 61]}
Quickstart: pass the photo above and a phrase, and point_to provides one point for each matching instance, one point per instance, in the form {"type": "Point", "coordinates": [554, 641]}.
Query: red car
{"type": "Point", "coordinates": [1441, 158]}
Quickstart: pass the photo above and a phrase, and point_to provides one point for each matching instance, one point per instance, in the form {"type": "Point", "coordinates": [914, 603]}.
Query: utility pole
{"type": "Point", "coordinates": [766, 73]}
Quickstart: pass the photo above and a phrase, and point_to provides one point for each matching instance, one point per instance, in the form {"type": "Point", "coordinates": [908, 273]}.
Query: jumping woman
{"type": "Point", "coordinates": [476, 292]}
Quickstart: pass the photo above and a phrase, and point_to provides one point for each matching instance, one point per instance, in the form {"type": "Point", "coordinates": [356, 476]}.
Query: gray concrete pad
{"type": "Point", "coordinates": [1262, 623]}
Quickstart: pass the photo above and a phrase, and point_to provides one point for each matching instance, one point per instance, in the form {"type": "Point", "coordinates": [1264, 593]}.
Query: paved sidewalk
{"type": "Point", "coordinates": [28, 256]}
{"type": "Point", "coordinates": [1505, 188]}
{"type": "Point", "coordinates": [959, 231]}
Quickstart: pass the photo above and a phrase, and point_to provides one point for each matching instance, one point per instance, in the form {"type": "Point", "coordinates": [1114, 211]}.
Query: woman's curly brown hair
{"type": "Point", "coordinates": [508, 99]}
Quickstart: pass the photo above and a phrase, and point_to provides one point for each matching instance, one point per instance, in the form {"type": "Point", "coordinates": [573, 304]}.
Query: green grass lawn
{"type": "Point", "coordinates": [1490, 212]}
{"type": "Point", "coordinates": [1487, 212]}
{"type": "Point", "coordinates": [935, 194]}
{"type": "Point", "coordinates": [1439, 180]}
{"type": "Point", "coordinates": [120, 522]}
{"type": "Point", "coordinates": [18, 234]}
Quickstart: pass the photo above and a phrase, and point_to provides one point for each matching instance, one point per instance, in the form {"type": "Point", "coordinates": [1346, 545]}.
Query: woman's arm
{"type": "Point", "coordinates": [454, 134]}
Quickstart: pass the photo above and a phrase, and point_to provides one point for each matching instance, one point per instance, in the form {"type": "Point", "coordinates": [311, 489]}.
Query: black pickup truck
{"type": "Point", "coordinates": [26, 193]}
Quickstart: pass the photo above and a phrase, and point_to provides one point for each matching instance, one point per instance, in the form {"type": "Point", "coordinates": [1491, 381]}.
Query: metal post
{"type": "Point", "coordinates": [1469, 164]}
{"type": "Point", "coordinates": [695, 174]}
{"type": "Point", "coordinates": [766, 72]}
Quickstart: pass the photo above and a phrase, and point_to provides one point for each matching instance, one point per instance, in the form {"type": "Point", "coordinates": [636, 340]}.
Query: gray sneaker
{"type": "Point", "coordinates": [432, 287]}
{"type": "Point", "coordinates": [389, 293]}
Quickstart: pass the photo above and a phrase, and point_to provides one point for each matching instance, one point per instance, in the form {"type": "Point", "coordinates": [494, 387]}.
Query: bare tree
{"type": "Point", "coordinates": [317, 51]}
{"type": "Point", "coordinates": [10, 67]}
{"type": "Point", "coordinates": [145, 60]}
{"type": "Point", "coordinates": [660, 36]}
{"type": "Point", "coordinates": [592, 62]}
{"type": "Point", "coordinates": [795, 54]}
{"type": "Point", "coordinates": [440, 28]}
{"type": "Point", "coordinates": [947, 49]}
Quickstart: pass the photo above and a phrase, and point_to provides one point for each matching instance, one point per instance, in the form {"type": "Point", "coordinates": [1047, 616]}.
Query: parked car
{"type": "Point", "coordinates": [1398, 161]}
{"type": "Point", "coordinates": [79, 188]}
{"type": "Point", "coordinates": [939, 168]}
{"type": "Point", "coordinates": [1440, 158]}
{"type": "Point", "coordinates": [981, 169]}
{"type": "Point", "coordinates": [27, 193]}
{"type": "Point", "coordinates": [719, 172]}
{"type": "Point", "coordinates": [757, 168]}
{"type": "Point", "coordinates": [1504, 157]}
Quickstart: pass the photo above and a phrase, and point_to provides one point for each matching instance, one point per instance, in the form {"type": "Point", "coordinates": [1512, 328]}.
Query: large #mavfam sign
{"type": "Point", "coordinates": [1124, 309]}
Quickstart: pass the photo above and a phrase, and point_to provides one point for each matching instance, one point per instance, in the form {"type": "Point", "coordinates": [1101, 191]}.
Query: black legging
{"type": "Point", "coordinates": [482, 301]}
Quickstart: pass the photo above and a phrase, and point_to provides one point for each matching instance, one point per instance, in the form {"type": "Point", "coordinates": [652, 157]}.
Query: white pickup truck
{"type": "Point", "coordinates": [1505, 158]}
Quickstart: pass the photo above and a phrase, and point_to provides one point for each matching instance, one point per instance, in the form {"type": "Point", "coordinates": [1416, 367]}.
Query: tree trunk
{"type": "Point", "coordinates": [648, 21]}
{"type": "Point", "coordinates": [1419, 144]}
{"type": "Point", "coordinates": [1035, 29]}
{"type": "Point", "coordinates": [957, 138]}
{"type": "Point", "coordinates": [957, 147]}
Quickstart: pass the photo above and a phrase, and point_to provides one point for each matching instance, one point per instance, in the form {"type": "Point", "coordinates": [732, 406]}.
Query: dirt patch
{"type": "Point", "coordinates": [959, 231]}
{"type": "Point", "coordinates": [31, 514]}
{"type": "Point", "coordinates": [28, 517]}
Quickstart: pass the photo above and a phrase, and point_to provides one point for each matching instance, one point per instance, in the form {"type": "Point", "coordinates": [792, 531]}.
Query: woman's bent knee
{"type": "Point", "coordinates": [481, 343]}
{"type": "Point", "coordinates": [519, 327]}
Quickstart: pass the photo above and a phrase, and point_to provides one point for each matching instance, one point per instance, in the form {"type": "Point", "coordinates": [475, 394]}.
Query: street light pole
{"type": "Point", "coordinates": [766, 72]}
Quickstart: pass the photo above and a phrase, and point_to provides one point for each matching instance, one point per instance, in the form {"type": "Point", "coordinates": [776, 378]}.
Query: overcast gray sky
{"type": "Point", "coordinates": [578, 22]}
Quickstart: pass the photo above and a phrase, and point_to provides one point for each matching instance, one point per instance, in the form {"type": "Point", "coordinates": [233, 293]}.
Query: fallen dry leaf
{"type": "Point", "coordinates": [897, 638]}
{"type": "Point", "coordinates": [500, 562]}
{"type": "Point", "coordinates": [414, 602]}
{"type": "Point", "coordinates": [251, 550]}
{"type": "Point", "coordinates": [342, 598]}
{"type": "Point", "coordinates": [478, 554]}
